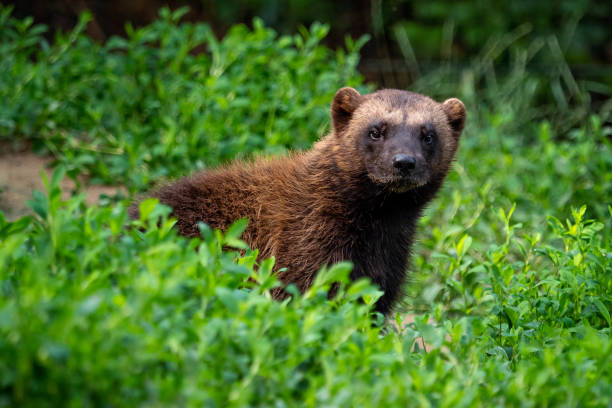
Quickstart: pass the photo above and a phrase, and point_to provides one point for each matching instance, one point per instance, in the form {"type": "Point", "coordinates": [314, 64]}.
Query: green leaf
{"type": "Point", "coordinates": [56, 178]}
{"type": "Point", "coordinates": [463, 245]}
{"type": "Point", "coordinates": [146, 208]}
{"type": "Point", "coordinates": [602, 309]}
{"type": "Point", "coordinates": [512, 314]}
{"type": "Point", "coordinates": [237, 228]}
{"type": "Point", "coordinates": [39, 204]}
{"type": "Point", "coordinates": [231, 299]}
{"type": "Point", "coordinates": [338, 272]}
{"type": "Point", "coordinates": [13, 228]}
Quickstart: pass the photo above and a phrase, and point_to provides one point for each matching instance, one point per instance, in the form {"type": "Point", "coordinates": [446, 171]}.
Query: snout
{"type": "Point", "coordinates": [404, 163]}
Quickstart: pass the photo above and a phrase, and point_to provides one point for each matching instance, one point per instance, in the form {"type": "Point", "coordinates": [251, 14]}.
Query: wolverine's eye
{"type": "Point", "coordinates": [376, 133]}
{"type": "Point", "coordinates": [428, 138]}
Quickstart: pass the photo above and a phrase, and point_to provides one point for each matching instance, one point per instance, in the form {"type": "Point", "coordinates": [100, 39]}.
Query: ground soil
{"type": "Point", "coordinates": [20, 176]}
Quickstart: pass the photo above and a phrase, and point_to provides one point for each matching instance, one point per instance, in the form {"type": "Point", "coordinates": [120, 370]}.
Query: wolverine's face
{"type": "Point", "coordinates": [403, 138]}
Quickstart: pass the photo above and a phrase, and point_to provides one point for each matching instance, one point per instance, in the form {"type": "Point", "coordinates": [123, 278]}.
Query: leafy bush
{"type": "Point", "coordinates": [148, 106]}
{"type": "Point", "coordinates": [94, 313]}
{"type": "Point", "coordinates": [540, 174]}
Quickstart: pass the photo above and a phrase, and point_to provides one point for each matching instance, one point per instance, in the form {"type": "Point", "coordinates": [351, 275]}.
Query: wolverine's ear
{"type": "Point", "coordinates": [455, 110]}
{"type": "Point", "coordinates": [344, 104]}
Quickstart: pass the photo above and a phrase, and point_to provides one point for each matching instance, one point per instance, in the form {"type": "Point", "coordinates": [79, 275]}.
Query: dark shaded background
{"type": "Point", "coordinates": [409, 38]}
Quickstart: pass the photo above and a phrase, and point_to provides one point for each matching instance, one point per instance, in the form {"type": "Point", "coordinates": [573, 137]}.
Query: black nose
{"type": "Point", "coordinates": [404, 162]}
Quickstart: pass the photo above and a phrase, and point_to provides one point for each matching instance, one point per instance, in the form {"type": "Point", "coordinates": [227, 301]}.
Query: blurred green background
{"type": "Point", "coordinates": [410, 38]}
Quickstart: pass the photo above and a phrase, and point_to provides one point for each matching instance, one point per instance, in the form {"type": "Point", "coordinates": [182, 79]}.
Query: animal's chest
{"type": "Point", "coordinates": [384, 243]}
{"type": "Point", "coordinates": [376, 241]}
{"type": "Point", "coordinates": [382, 250]}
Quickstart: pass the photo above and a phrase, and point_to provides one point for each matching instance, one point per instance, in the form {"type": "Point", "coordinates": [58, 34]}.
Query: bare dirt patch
{"type": "Point", "coordinates": [20, 176]}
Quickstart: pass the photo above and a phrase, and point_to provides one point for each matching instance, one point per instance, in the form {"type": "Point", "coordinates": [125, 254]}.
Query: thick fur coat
{"type": "Point", "coordinates": [356, 195]}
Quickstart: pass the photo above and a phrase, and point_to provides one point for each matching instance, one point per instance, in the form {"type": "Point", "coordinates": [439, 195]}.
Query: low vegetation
{"type": "Point", "coordinates": [511, 283]}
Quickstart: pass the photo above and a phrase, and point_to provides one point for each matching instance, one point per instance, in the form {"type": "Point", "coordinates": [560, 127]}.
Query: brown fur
{"type": "Point", "coordinates": [340, 200]}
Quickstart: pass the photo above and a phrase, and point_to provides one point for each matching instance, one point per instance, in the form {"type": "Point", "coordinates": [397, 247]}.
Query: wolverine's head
{"type": "Point", "coordinates": [403, 138]}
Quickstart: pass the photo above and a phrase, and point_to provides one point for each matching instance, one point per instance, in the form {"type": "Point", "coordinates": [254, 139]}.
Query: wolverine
{"type": "Point", "coordinates": [355, 196]}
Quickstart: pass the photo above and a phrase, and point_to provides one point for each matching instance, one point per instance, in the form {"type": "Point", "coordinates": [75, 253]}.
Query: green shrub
{"type": "Point", "coordinates": [540, 174]}
{"type": "Point", "coordinates": [148, 106]}
{"type": "Point", "coordinates": [98, 311]}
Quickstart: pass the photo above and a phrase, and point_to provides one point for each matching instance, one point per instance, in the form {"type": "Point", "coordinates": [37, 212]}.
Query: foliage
{"type": "Point", "coordinates": [577, 23]}
{"type": "Point", "coordinates": [535, 60]}
{"type": "Point", "coordinates": [511, 278]}
{"type": "Point", "coordinates": [537, 175]}
{"type": "Point", "coordinates": [137, 109]}
{"type": "Point", "coordinates": [96, 314]}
